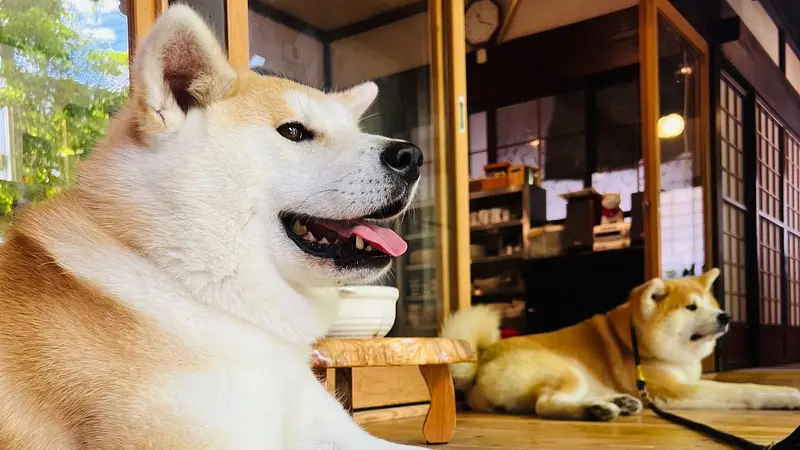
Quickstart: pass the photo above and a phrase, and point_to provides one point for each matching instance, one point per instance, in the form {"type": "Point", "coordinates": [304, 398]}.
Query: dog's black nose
{"type": "Point", "coordinates": [724, 318]}
{"type": "Point", "coordinates": [402, 158]}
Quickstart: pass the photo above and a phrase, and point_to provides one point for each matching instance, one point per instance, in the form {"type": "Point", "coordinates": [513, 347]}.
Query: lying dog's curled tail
{"type": "Point", "coordinates": [480, 326]}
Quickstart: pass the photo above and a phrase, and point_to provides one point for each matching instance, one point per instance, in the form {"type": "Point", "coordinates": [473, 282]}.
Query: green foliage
{"type": "Point", "coordinates": [57, 91]}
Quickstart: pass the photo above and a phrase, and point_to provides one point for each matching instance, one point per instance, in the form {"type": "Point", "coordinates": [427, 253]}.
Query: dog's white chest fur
{"type": "Point", "coordinates": [244, 388]}
{"type": "Point", "coordinates": [241, 388]}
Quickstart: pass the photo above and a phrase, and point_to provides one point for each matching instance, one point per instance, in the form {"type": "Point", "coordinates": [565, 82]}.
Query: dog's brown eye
{"type": "Point", "coordinates": [692, 307]}
{"type": "Point", "coordinates": [294, 132]}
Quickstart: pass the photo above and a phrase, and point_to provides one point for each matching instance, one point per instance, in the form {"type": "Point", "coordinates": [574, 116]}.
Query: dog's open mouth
{"type": "Point", "coordinates": [346, 242]}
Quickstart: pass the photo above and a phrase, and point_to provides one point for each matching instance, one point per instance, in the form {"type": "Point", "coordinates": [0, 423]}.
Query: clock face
{"type": "Point", "coordinates": [481, 21]}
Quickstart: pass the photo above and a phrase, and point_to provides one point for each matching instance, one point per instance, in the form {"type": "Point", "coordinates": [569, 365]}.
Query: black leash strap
{"type": "Point", "coordinates": [792, 442]}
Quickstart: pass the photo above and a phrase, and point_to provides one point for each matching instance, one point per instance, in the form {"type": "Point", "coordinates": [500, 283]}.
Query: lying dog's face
{"type": "Point", "coordinates": [679, 320]}
{"type": "Point", "coordinates": [274, 169]}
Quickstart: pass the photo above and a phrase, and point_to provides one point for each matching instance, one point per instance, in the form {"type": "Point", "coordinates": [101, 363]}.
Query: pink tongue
{"type": "Point", "coordinates": [384, 239]}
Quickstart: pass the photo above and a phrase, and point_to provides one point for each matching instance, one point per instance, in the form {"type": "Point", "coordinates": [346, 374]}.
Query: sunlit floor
{"type": "Point", "coordinates": [646, 431]}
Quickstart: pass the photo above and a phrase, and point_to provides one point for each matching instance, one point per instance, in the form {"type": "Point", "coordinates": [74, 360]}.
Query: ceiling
{"type": "Point", "coordinates": [335, 13]}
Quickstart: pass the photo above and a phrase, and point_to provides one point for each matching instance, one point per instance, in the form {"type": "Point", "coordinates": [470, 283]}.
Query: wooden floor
{"type": "Point", "coordinates": [496, 432]}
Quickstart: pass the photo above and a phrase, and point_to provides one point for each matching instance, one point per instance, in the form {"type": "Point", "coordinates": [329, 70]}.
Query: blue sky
{"type": "Point", "coordinates": [101, 22]}
{"type": "Point", "coordinates": [105, 27]}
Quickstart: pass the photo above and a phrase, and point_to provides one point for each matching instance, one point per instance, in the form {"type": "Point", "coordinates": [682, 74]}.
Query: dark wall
{"type": "Point", "coordinates": [552, 61]}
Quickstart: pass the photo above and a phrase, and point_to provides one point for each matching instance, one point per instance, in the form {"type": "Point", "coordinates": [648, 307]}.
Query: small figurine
{"type": "Point", "coordinates": [611, 211]}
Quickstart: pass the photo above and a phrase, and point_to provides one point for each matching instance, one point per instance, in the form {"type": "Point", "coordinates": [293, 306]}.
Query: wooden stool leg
{"type": "Point", "coordinates": [344, 388]}
{"type": "Point", "coordinates": [440, 423]}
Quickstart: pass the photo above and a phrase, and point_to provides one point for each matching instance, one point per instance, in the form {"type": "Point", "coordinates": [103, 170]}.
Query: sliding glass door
{"type": "Point", "coordinates": [675, 136]}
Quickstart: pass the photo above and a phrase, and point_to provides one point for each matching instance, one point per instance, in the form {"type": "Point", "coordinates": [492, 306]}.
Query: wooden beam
{"type": "Point", "coordinates": [377, 21]}
{"type": "Point", "coordinates": [651, 152]}
{"type": "Point", "coordinates": [446, 273]}
{"type": "Point", "coordinates": [161, 7]}
{"type": "Point", "coordinates": [237, 33]}
{"type": "Point", "coordinates": [729, 29]}
{"type": "Point", "coordinates": [782, 50]}
{"type": "Point", "coordinates": [141, 17]}
{"type": "Point", "coordinates": [458, 150]}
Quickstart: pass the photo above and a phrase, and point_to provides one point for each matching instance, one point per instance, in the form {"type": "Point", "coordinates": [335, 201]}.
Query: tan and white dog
{"type": "Point", "coordinates": [586, 371]}
{"type": "Point", "coordinates": [169, 299]}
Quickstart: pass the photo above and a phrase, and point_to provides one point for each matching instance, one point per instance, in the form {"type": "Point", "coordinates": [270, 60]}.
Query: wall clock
{"type": "Point", "coordinates": [482, 22]}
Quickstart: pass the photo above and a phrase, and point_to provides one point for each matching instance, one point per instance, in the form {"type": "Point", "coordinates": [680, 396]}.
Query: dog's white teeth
{"type": "Point", "coordinates": [310, 237]}
{"type": "Point", "coordinates": [298, 228]}
{"type": "Point", "coordinates": [369, 248]}
{"type": "Point", "coordinates": [324, 241]}
{"type": "Point", "coordinates": [359, 243]}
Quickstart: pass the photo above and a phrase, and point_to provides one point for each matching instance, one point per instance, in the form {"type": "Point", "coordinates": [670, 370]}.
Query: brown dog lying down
{"type": "Point", "coordinates": [586, 371]}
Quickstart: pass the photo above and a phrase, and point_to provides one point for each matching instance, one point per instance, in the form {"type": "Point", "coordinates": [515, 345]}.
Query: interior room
{"type": "Point", "coordinates": [573, 151]}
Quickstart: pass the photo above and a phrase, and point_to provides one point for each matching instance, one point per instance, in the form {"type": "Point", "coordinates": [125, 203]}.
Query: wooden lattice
{"type": "Point", "coordinates": [792, 195]}
{"type": "Point", "coordinates": [769, 164]}
{"type": "Point", "coordinates": [733, 207]}
{"type": "Point", "coordinates": [771, 227]}
{"type": "Point", "coordinates": [769, 255]}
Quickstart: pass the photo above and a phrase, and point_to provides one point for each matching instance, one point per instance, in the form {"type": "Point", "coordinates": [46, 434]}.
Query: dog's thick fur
{"type": "Point", "coordinates": [159, 304]}
{"type": "Point", "coordinates": [587, 371]}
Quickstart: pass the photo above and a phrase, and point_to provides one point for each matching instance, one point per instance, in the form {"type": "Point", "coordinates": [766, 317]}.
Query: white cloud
{"type": "Point", "coordinates": [92, 6]}
{"type": "Point", "coordinates": [99, 34]}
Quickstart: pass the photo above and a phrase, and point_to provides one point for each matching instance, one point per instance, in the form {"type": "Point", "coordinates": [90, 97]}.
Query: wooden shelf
{"type": "Point", "coordinates": [495, 226]}
{"type": "Point", "coordinates": [495, 192]}
{"type": "Point", "coordinates": [499, 258]}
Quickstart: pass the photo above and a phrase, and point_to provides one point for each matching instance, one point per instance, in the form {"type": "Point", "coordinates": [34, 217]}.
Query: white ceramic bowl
{"type": "Point", "coordinates": [365, 311]}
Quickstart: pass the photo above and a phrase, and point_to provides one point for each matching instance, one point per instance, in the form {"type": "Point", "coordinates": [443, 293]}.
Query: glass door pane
{"type": "Point", "coordinates": [682, 152]}
{"type": "Point", "coordinates": [341, 43]}
{"type": "Point", "coordinates": [63, 73]}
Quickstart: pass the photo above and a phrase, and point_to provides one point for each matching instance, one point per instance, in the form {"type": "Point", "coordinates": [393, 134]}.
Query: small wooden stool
{"type": "Point", "coordinates": [432, 355]}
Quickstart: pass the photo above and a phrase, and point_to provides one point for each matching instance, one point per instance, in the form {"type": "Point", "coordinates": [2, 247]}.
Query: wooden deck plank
{"type": "Point", "coordinates": [646, 431]}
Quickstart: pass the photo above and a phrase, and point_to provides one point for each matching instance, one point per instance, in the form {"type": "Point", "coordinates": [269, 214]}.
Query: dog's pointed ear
{"type": "Point", "coordinates": [707, 279]}
{"type": "Point", "coordinates": [179, 66]}
{"type": "Point", "coordinates": [650, 294]}
{"type": "Point", "coordinates": [358, 98]}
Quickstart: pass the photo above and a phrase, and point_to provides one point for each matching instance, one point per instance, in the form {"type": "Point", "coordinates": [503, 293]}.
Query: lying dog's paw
{"type": "Point", "coordinates": [601, 411]}
{"type": "Point", "coordinates": [785, 398]}
{"type": "Point", "coordinates": [628, 404]}
{"type": "Point", "coordinates": [790, 400]}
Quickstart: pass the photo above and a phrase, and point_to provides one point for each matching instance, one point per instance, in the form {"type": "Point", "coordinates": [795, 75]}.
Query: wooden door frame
{"type": "Point", "coordinates": [237, 33]}
{"type": "Point", "coordinates": [650, 11]}
{"type": "Point", "coordinates": [142, 14]}
{"type": "Point", "coordinates": [454, 193]}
